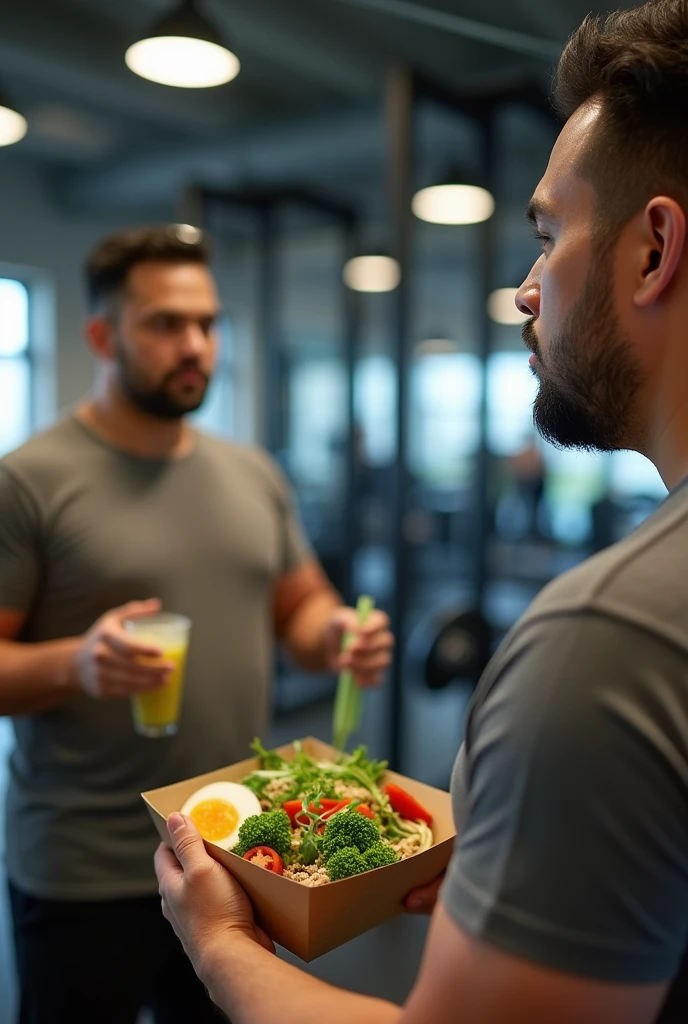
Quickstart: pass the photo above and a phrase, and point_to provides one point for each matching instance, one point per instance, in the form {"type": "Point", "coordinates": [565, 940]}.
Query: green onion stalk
{"type": "Point", "coordinates": [348, 701]}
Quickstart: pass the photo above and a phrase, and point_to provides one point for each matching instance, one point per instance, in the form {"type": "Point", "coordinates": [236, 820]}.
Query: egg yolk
{"type": "Point", "coordinates": [215, 819]}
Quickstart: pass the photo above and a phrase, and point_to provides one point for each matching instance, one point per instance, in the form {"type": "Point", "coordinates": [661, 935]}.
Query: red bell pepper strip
{"type": "Point", "coordinates": [266, 858]}
{"type": "Point", "coordinates": [326, 808]}
{"type": "Point", "coordinates": [293, 807]}
{"type": "Point", "coordinates": [406, 805]}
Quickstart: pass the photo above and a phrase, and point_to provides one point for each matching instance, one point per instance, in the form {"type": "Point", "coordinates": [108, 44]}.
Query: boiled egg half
{"type": "Point", "coordinates": [218, 810]}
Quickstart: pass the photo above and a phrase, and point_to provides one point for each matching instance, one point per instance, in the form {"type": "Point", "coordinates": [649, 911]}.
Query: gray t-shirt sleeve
{"type": "Point", "coordinates": [19, 549]}
{"type": "Point", "coordinates": [573, 835]}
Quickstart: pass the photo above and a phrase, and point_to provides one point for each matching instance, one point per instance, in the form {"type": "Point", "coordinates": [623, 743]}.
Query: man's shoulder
{"type": "Point", "coordinates": [641, 580]}
{"type": "Point", "coordinates": [56, 447]}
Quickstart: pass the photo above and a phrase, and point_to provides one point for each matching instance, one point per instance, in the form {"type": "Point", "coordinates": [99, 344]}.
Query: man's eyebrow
{"type": "Point", "coordinates": [152, 310]}
{"type": "Point", "coordinates": [537, 210]}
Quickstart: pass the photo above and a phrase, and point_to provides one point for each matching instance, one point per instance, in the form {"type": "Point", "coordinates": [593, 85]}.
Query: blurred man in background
{"type": "Point", "coordinates": [121, 509]}
{"type": "Point", "coordinates": [566, 901]}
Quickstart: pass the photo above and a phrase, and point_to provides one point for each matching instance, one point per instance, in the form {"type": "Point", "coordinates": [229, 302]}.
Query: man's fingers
{"type": "Point", "coordinates": [129, 677]}
{"type": "Point", "coordinates": [376, 622]}
{"type": "Point", "coordinates": [137, 609]}
{"type": "Point", "coordinates": [365, 661]}
{"type": "Point", "coordinates": [382, 644]}
{"type": "Point", "coordinates": [186, 842]}
{"type": "Point", "coordinates": [112, 629]}
{"type": "Point", "coordinates": [123, 644]}
{"type": "Point", "coordinates": [166, 864]}
{"type": "Point", "coordinates": [423, 900]}
{"type": "Point", "coordinates": [109, 656]}
{"type": "Point", "coordinates": [367, 680]}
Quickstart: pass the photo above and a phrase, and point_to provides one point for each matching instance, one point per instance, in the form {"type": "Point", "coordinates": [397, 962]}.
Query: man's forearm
{"type": "Point", "coordinates": [304, 633]}
{"type": "Point", "coordinates": [36, 677]}
{"type": "Point", "coordinates": [254, 987]}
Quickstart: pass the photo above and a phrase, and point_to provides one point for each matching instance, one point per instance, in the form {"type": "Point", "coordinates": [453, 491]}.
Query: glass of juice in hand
{"type": "Point", "coordinates": [156, 712]}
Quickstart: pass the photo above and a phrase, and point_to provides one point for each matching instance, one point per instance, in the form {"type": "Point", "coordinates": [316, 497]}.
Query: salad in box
{"type": "Point", "coordinates": [326, 844]}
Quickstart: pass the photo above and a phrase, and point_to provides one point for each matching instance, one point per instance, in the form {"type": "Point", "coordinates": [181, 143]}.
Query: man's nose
{"type": "Point", "coordinates": [195, 340]}
{"type": "Point", "coordinates": [528, 295]}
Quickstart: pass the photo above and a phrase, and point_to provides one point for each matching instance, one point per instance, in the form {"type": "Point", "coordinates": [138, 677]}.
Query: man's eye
{"type": "Point", "coordinates": [542, 238]}
{"type": "Point", "coordinates": [165, 323]}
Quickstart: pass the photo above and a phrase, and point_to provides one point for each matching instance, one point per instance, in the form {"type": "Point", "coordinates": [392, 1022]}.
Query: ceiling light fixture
{"type": "Point", "coordinates": [372, 273]}
{"type": "Point", "coordinates": [451, 201]}
{"type": "Point", "coordinates": [13, 125]}
{"type": "Point", "coordinates": [183, 49]}
{"type": "Point", "coordinates": [502, 309]}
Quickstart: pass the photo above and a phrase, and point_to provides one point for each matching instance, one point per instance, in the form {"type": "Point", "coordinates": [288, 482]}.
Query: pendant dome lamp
{"type": "Point", "coordinates": [373, 271]}
{"type": "Point", "coordinates": [13, 125]}
{"type": "Point", "coordinates": [502, 308]}
{"type": "Point", "coordinates": [453, 200]}
{"type": "Point", "coordinates": [185, 50]}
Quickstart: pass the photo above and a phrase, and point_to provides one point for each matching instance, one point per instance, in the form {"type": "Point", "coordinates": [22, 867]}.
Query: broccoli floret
{"type": "Point", "coordinates": [379, 856]}
{"type": "Point", "coordinates": [345, 863]}
{"type": "Point", "coordinates": [349, 828]}
{"type": "Point", "coordinates": [272, 829]}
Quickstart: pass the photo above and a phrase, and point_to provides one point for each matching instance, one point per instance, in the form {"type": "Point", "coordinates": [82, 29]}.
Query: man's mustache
{"type": "Point", "coordinates": [188, 364]}
{"type": "Point", "coordinates": [530, 337]}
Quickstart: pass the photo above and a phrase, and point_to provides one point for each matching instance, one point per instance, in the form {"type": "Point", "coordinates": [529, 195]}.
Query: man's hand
{"type": "Point", "coordinates": [423, 900]}
{"type": "Point", "coordinates": [200, 899]}
{"type": "Point", "coordinates": [110, 663]}
{"type": "Point", "coordinates": [370, 654]}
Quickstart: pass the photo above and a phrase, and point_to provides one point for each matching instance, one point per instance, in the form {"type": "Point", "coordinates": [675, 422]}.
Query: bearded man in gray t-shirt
{"type": "Point", "coordinates": [566, 901]}
{"type": "Point", "coordinates": [123, 501]}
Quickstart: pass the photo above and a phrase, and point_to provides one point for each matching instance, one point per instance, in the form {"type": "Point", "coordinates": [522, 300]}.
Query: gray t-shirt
{"type": "Point", "coordinates": [571, 790]}
{"type": "Point", "coordinates": [84, 528]}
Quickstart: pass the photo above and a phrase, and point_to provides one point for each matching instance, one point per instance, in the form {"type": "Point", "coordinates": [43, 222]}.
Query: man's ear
{"type": "Point", "coordinates": [664, 237]}
{"type": "Point", "coordinates": [99, 335]}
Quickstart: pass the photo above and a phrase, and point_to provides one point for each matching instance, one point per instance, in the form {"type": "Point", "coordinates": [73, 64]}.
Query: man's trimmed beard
{"type": "Point", "coordinates": [590, 379]}
{"type": "Point", "coordinates": [157, 401]}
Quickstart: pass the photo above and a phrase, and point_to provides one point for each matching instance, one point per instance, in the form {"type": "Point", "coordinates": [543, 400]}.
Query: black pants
{"type": "Point", "coordinates": [101, 963]}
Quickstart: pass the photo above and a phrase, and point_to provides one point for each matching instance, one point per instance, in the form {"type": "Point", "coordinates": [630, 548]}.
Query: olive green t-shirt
{"type": "Point", "coordinates": [84, 528]}
{"type": "Point", "coordinates": [571, 790]}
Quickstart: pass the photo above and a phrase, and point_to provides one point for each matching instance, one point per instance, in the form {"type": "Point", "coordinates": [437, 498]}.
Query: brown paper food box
{"type": "Point", "coordinates": [311, 921]}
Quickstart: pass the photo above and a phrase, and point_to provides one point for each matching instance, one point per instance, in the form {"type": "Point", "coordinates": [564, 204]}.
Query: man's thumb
{"type": "Point", "coordinates": [186, 841]}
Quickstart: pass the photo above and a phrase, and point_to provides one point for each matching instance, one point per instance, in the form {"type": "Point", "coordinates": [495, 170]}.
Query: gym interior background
{"type": "Point", "coordinates": [401, 416]}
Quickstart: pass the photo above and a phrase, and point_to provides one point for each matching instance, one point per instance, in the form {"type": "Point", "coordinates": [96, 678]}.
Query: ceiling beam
{"type": "Point", "coordinates": [338, 148]}
{"type": "Point", "coordinates": [286, 152]}
{"type": "Point", "coordinates": [478, 31]}
{"type": "Point", "coordinates": [293, 43]}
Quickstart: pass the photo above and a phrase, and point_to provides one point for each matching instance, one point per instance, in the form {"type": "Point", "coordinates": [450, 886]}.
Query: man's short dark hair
{"type": "Point", "coordinates": [635, 63]}
{"type": "Point", "coordinates": [109, 264]}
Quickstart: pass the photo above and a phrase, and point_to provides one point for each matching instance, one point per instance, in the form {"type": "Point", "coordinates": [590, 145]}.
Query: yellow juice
{"type": "Point", "coordinates": [159, 709]}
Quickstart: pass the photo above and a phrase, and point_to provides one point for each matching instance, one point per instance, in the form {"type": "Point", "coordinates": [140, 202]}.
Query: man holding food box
{"type": "Point", "coordinates": [566, 900]}
{"type": "Point", "coordinates": [146, 570]}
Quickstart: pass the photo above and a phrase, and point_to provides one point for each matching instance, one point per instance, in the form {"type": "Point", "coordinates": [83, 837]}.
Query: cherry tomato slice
{"type": "Point", "coordinates": [266, 858]}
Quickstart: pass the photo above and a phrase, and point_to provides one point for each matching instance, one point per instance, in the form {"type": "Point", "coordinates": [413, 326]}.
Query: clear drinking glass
{"type": "Point", "coordinates": [156, 712]}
